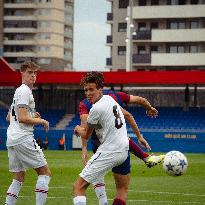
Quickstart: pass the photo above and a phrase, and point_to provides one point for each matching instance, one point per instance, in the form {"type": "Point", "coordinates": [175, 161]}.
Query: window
{"type": "Point", "coordinates": [173, 25]}
{"type": "Point", "coordinates": [43, 48]}
{"type": "Point", "coordinates": [173, 49]}
{"type": "Point", "coordinates": [181, 25]}
{"type": "Point", "coordinates": [121, 50]}
{"type": "Point", "coordinates": [176, 49]}
{"type": "Point", "coordinates": [176, 2]}
{"type": "Point", "coordinates": [154, 25]}
{"type": "Point", "coordinates": [68, 5]}
{"type": "Point", "coordinates": [182, 2]}
{"type": "Point", "coordinates": [153, 49]}
{"type": "Point", "coordinates": [180, 49]}
{"type": "Point", "coordinates": [193, 49]}
{"type": "Point", "coordinates": [142, 2]}
{"type": "Point", "coordinates": [177, 25]}
{"type": "Point", "coordinates": [154, 2]}
{"type": "Point", "coordinates": [141, 26]}
{"type": "Point", "coordinates": [141, 50]}
{"type": "Point", "coordinates": [122, 27]}
{"type": "Point", "coordinates": [43, 36]}
{"type": "Point", "coordinates": [194, 1]}
{"type": "Point", "coordinates": [44, 1]}
{"type": "Point", "coordinates": [123, 4]}
{"type": "Point", "coordinates": [194, 24]}
{"type": "Point", "coordinates": [43, 12]}
{"type": "Point", "coordinates": [43, 24]}
{"type": "Point", "coordinates": [68, 41]}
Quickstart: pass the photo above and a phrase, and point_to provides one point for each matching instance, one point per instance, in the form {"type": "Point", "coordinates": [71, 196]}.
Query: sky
{"type": "Point", "coordinates": [90, 31]}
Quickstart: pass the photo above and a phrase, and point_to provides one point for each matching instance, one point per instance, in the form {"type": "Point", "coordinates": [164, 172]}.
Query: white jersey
{"type": "Point", "coordinates": [109, 123]}
{"type": "Point", "coordinates": [18, 133]}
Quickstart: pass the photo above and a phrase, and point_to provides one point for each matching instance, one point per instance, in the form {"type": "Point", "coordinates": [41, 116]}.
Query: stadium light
{"type": "Point", "coordinates": [128, 40]}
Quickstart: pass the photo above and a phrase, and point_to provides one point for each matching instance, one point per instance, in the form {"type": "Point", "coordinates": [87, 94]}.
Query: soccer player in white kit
{"type": "Point", "coordinates": [107, 119]}
{"type": "Point", "coordinates": [23, 151]}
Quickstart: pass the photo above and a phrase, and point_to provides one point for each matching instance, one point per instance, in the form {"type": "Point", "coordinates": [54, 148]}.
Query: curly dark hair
{"type": "Point", "coordinates": [30, 65]}
{"type": "Point", "coordinates": [93, 77]}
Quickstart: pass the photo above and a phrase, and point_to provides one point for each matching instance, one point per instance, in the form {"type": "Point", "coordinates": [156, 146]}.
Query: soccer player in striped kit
{"type": "Point", "coordinates": [23, 151]}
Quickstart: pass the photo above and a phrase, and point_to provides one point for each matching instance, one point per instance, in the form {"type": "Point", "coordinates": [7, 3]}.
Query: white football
{"type": "Point", "coordinates": [175, 163]}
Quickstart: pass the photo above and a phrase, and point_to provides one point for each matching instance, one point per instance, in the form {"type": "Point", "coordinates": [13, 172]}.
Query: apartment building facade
{"type": "Point", "coordinates": [156, 35]}
{"type": "Point", "coordinates": [38, 30]}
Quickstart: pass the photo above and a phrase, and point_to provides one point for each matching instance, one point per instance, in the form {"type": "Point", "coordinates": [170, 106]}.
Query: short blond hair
{"type": "Point", "coordinates": [29, 65]}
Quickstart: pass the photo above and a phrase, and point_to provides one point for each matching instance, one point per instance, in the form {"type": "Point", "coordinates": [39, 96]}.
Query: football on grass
{"type": "Point", "coordinates": [175, 163]}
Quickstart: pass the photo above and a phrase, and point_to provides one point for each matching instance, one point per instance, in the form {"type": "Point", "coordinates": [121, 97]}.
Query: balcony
{"type": "Point", "coordinates": [24, 5]}
{"type": "Point", "coordinates": [142, 35]}
{"type": "Point", "coordinates": [168, 11]}
{"type": "Point", "coordinates": [141, 58]}
{"type": "Point", "coordinates": [20, 18]}
{"type": "Point", "coordinates": [178, 35]}
{"type": "Point", "coordinates": [20, 30]}
{"type": "Point", "coordinates": [108, 61]}
{"type": "Point", "coordinates": [109, 16]}
{"type": "Point", "coordinates": [109, 39]}
{"type": "Point", "coordinates": [20, 24]}
{"type": "Point", "coordinates": [178, 59]}
{"type": "Point", "coordinates": [20, 54]}
{"type": "Point", "coordinates": [19, 42]}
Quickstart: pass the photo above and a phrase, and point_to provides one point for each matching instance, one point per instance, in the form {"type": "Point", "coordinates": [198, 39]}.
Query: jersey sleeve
{"type": "Point", "coordinates": [124, 97]}
{"type": "Point", "coordinates": [93, 118]}
{"type": "Point", "coordinates": [82, 109]}
{"type": "Point", "coordinates": [23, 97]}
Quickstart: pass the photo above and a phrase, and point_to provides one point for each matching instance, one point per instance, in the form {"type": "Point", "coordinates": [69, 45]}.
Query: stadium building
{"type": "Point", "coordinates": [175, 89]}
{"type": "Point", "coordinates": [27, 32]}
{"type": "Point", "coordinates": [156, 35]}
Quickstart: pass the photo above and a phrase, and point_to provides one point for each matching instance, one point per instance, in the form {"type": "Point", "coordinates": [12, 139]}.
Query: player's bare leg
{"type": "Point", "coordinates": [122, 185]}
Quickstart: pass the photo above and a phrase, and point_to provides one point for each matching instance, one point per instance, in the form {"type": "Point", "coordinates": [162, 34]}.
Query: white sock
{"type": "Point", "coordinates": [79, 200]}
{"type": "Point", "coordinates": [101, 194]}
{"type": "Point", "coordinates": [13, 192]}
{"type": "Point", "coordinates": [42, 189]}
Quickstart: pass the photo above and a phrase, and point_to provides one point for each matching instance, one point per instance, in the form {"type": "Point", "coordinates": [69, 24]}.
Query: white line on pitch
{"type": "Point", "coordinates": [132, 190]}
{"type": "Point", "coordinates": [129, 200]}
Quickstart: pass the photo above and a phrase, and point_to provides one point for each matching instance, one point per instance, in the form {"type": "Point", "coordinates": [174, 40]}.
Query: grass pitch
{"type": "Point", "coordinates": [147, 186]}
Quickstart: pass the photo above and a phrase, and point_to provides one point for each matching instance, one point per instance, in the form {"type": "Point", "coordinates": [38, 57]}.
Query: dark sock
{"type": "Point", "coordinates": [136, 150]}
{"type": "Point", "coordinates": [118, 202]}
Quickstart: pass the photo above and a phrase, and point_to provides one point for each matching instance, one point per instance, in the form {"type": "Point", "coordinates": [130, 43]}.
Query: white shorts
{"type": "Point", "coordinates": [100, 163]}
{"type": "Point", "coordinates": [25, 155]}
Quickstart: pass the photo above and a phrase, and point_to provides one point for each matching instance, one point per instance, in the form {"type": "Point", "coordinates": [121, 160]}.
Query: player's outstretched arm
{"type": "Point", "coordinates": [151, 111]}
{"type": "Point", "coordinates": [130, 119]}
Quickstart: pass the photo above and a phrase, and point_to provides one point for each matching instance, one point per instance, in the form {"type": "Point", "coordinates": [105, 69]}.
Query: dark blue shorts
{"type": "Point", "coordinates": [124, 168]}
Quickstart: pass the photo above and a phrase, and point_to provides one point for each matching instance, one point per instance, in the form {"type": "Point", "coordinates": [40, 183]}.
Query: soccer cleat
{"type": "Point", "coordinates": [153, 160]}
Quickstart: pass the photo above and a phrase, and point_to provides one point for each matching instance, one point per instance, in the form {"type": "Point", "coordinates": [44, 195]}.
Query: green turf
{"type": "Point", "coordinates": [147, 186]}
